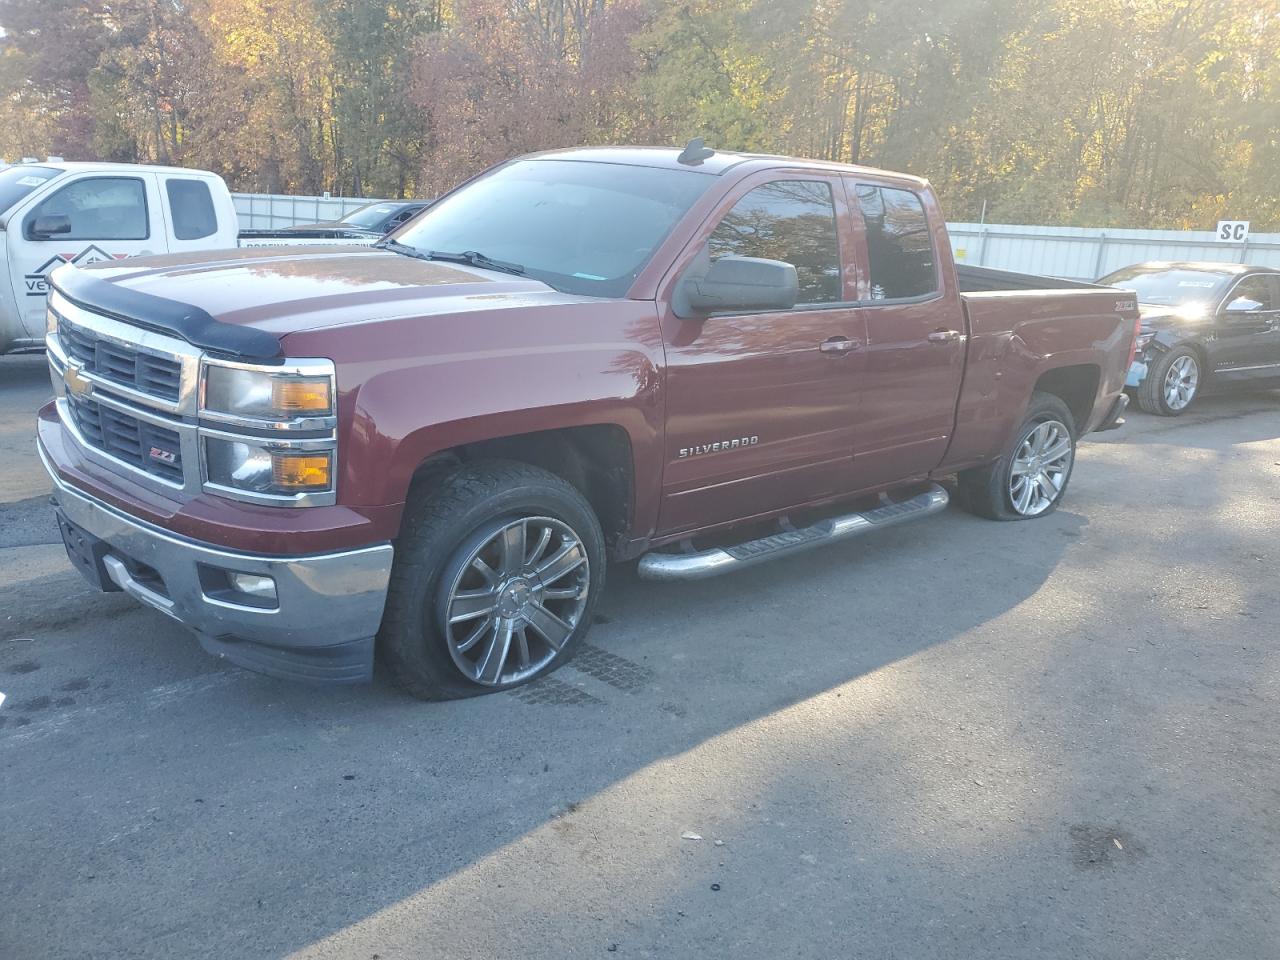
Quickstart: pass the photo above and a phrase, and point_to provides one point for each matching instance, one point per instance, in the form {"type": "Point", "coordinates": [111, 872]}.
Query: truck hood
{"type": "Point", "coordinates": [294, 289]}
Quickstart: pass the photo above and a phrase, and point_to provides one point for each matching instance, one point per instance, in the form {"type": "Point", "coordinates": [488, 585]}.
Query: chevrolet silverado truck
{"type": "Point", "coordinates": [433, 447]}
{"type": "Point", "coordinates": [60, 212]}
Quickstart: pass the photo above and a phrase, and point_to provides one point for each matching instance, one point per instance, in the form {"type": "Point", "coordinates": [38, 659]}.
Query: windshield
{"type": "Point", "coordinates": [17, 182]}
{"type": "Point", "coordinates": [371, 215]}
{"type": "Point", "coordinates": [579, 226]}
{"type": "Point", "coordinates": [1169, 286]}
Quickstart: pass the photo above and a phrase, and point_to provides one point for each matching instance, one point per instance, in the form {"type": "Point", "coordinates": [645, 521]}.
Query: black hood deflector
{"type": "Point", "coordinates": [182, 320]}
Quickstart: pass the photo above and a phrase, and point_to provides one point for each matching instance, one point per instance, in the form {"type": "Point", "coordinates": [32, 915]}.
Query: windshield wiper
{"type": "Point", "coordinates": [395, 246]}
{"type": "Point", "coordinates": [475, 259]}
{"type": "Point", "coordinates": [472, 258]}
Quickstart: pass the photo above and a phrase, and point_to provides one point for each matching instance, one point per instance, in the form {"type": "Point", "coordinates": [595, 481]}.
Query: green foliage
{"type": "Point", "coordinates": [1162, 113]}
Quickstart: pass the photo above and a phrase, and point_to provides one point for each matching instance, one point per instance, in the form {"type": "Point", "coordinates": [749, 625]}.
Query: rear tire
{"type": "Point", "coordinates": [1172, 384]}
{"type": "Point", "coordinates": [1031, 478]}
{"type": "Point", "coordinates": [497, 572]}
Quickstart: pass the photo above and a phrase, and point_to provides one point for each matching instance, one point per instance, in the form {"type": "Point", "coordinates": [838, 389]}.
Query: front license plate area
{"type": "Point", "coordinates": [86, 552]}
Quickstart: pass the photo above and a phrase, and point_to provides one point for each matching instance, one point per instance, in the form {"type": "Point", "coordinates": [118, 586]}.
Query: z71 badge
{"type": "Point", "coordinates": [720, 446]}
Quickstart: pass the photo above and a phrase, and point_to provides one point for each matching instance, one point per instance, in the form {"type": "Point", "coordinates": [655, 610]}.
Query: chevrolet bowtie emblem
{"type": "Point", "coordinates": [77, 384]}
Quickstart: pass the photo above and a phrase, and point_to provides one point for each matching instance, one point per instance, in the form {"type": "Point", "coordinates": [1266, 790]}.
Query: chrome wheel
{"type": "Point", "coordinates": [1181, 381]}
{"type": "Point", "coordinates": [511, 598]}
{"type": "Point", "coordinates": [1040, 468]}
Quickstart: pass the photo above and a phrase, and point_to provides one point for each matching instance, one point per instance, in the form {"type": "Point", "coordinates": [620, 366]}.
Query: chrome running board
{"type": "Point", "coordinates": [710, 563]}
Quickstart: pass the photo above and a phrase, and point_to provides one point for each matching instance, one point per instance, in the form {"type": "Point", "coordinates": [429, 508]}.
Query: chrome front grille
{"type": "Point", "coordinates": [127, 394]}
{"type": "Point", "coordinates": [120, 363]}
{"type": "Point", "coordinates": [147, 446]}
{"type": "Point", "coordinates": [130, 398]}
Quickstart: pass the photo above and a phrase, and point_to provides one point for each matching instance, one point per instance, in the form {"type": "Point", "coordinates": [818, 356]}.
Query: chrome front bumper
{"type": "Point", "coordinates": [321, 627]}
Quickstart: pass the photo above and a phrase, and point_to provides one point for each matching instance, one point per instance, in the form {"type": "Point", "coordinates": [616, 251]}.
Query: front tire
{"type": "Point", "coordinates": [1172, 384]}
{"type": "Point", "coordinates": [1031, 478]}
{"type": "Point", "coordinates": [497, 573]}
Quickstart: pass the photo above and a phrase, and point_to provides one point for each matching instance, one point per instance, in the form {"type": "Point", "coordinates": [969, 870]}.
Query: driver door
{"type": "Point", "coordinates": [1247, 339]}
{"type": "Point", "coordinates": [760, 404]}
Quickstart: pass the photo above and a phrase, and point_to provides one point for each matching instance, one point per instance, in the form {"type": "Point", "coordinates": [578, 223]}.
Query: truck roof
{"type": "Point", "coordinates": [74, 166]}
{"type": "Point", "coordinates": [720, 162]}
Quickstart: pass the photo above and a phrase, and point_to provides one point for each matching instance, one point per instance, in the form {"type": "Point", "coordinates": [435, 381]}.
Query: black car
{"type": "Point", "coordinates": [380, 217]}
{"type": "Point", "coordinates": [1204, 325]}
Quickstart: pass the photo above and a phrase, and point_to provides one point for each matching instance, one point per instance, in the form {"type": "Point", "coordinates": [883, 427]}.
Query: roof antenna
{"type": "Point", "coordinates": [695, 152]}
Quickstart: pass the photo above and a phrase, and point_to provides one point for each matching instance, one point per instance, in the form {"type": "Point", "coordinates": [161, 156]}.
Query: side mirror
{"type": "Point", "coordinates": [738, 285]}
{"type": "Point", "coordinates": [44, 227]}
{"type": "Point", "coordinates": [1240, 310]}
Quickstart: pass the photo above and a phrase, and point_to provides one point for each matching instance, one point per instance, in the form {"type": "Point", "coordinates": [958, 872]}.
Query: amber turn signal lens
{"type": "Point", "coordinates": [300, 396]}
{"type": "Point", "coordinates": [293, 472]}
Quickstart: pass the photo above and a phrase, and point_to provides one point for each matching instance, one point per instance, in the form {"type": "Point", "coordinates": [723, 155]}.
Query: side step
{"type": "Point", "coordinates": [718, 560]}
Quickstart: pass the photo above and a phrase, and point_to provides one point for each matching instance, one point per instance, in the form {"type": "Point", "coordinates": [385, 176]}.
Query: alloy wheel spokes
{"type": "Point", "coordinates": [564, 562]}
{"type": "Point", "coordinates": [552, 629]}
{"type": "Point", "coordinates": [1040, 468]}
{"type": "Point", "coordinates": [489, 666]}
{"type": "Point", "coordinates": [469, 604]}
{"type": "Point", "coordinates": [511, 601]}
{"type": "Point", "coordinates": [512, 549]}
{"type": "Point", "coordinates": [1181, 381]}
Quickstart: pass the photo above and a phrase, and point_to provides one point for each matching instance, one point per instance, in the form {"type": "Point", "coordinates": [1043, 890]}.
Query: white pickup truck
{"type": "Point", "coordinates": [57, 212]}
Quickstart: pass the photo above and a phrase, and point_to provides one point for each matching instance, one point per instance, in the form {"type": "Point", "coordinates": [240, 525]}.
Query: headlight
{"type": "Point", "coordinates": [269, 434]}
{"type": "Point", "coordinates": [50, 322]}
{"type": "Point", "coordinates": [260, 467]}
{"type": "Point", "coordinates": [1143, 340]}
{"type": "Point", "coordinates": [295, 392]}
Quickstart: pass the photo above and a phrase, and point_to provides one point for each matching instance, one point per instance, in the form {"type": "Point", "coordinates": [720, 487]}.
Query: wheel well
{"type": "Point", "coordinates": [596, 459]}
{"type": "Point", "coordinates": [1076, 386]}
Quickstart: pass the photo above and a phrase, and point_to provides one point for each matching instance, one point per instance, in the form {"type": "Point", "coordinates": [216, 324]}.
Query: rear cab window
{"type": "Point", "coordinates": [191, 208]}
{"type": "Point", "coordinates": [900, 254]}
{"type": "Point", "coordinates": [789, 220]}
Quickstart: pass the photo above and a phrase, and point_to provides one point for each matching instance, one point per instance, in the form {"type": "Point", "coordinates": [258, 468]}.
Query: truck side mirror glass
{"type": "Point", "coordinates": [48, 225]}
{"type": "Point", "coordinates": [737, 285]}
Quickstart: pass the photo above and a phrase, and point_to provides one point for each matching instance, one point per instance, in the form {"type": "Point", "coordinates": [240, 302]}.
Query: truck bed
{"type": "Point", "coordinates": [1014, 328]}
{"type": "Point", "coordinates": [988, 279]}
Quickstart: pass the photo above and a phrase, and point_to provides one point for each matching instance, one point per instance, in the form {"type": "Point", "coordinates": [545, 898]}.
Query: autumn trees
{"type": "Point", "coordinates": [1134, 112]}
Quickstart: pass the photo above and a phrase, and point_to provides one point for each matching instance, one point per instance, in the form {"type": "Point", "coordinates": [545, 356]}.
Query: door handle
{"type": "Point", "coordinates": [837, 345]}
{"type": "Point", "coordinates": [944, 336]}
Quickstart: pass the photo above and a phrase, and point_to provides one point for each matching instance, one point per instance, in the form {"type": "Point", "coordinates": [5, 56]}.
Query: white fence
{"type": "Point", "coordinates": [1086, 253]}
{"type": "Point", "coordinates": [272, 211]}
{"type": "Point", "coordinates": [1078, 253]}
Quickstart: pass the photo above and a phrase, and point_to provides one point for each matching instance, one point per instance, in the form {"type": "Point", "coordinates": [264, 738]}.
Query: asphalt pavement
{"type": "Point", "coordinates": [953, 739]}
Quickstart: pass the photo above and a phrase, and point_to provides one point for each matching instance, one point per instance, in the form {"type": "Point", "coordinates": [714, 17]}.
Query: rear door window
{"type": "Point", "coordinates": [191, 207]}
{"type": "Point", "coordinates": [789, 220]}
{"type": "Point", "coordinates": [899, 244]}
{"type": "Point", "coordinates": [99, 208]}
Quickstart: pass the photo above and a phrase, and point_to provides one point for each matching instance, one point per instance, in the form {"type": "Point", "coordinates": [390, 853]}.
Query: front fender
{"type": "Point", "coordinates": [1161, 342]}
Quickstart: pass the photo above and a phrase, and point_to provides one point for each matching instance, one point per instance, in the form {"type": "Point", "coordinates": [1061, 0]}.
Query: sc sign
{"type": "Point", "coordinates": [1233, 231]}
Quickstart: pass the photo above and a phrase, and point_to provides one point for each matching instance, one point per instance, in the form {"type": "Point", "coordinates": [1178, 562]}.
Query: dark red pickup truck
{"type": "Point", "coordinates": [698, 359]}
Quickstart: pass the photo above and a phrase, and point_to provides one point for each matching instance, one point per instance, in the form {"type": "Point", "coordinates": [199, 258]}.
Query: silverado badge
{"type": "Point", "coordinates": [718, 447]}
